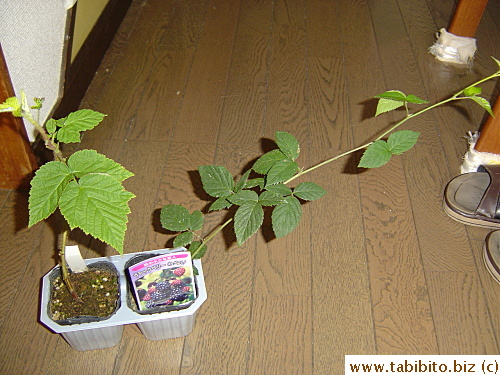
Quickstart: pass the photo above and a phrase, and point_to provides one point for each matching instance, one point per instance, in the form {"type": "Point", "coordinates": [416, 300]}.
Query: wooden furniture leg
{"type": "Point", "coordinates": [467, 16]}
{"type": "Point", "coordinates": [17, 161]}
{"type": "Point", "coordinates": [489, 139]}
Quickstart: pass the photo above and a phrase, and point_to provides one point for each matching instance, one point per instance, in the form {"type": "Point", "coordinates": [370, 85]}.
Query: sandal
{"type": "Point", "coordinates": [473, 198]}
{"type": "Point", "coordinates": [491, 254]}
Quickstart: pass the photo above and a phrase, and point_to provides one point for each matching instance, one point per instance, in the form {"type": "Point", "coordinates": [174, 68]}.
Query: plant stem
{"type": "Point", "coordinates": [398, 124]}
{"type": "Point", "coordinates": [49, 143]}
{"type": "Point", "coordinates": [64, 266]}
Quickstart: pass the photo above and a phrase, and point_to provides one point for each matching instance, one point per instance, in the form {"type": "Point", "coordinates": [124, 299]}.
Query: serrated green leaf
{"type": "Point", "coordinates": [76, 122]}
{"type": "Point", "coordinates": [402, 141]}
{"type": "Point", "coordinates": [51, 126]}
{"type": "Point", "coordinates": [11, 105]}
{"type": "Point", "coordinates": [483, 103]}
{"type": "Point", "coordinates": [280, 189]}
{"type": "Point", "coordinates": [175, 217]}
{"type": "Point", "coordinates": [309, 191]}
{"type": "Point", "coordinates": [90, 161]}
{"type": "Point", "coordinates": [220, 204]}
{"type": "Point", "coordinates": [286, 217]}
{"type": "Point", "coordinates": [376, 155]}
{"type": "Point", "coordinates": [197, 251]}
{"type": "Point", "coordinates": [242, 197]}
{"type": "Point", "coordinates": [386, 105]}
{"type": "Point", "coordinates": [392, 95]}
{"type": "Point", "coordinates": [183, 239]}
{"type": "Point", "coordinates": [281, 171]}
{"type": "Point", "coordinates": [98, 205]}
{"type": "Point", "coordinates": [288, 144]}
{"type": "Point", "coordinates": [270, 198]}
{"type": "Point", "coordinates": [266, 161]}
{"type": "Point", "coordinates": [472, 91]}
{"type": "Point", "coordinates": [247, 221]}
{"type": "Point", "coordinates": [241, 184]}
{"type": "Point", "coordinates": [415, 99]}
{"type": "Point", "coordinates": [216, 180]}
{"type": "Point", "coordinates": [196, 222]}
{"type": "Point", "coordinates": [47, 187]}
{"type": "Point", "coordinates": [255, 182]}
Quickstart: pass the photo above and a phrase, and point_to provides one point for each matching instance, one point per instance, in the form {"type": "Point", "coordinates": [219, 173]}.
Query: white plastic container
{"type": "Point", "coordinates": [108, 333]}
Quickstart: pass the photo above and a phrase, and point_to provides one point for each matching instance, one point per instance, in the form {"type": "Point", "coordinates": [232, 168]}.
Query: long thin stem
{"type": "Point", "coordinates": [398, 124]}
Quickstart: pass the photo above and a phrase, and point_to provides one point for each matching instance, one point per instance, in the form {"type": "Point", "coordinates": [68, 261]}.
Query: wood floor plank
{"type": "Point", "coordinates": [121, 98]}
{"type": "Point", "coordinates": [343, 316]}
{"type": "Point", "coordinates": [342, 302]}
{"type": "Point", "coordinates": [113, 55]}
{"type": "Point", "coordinates": [285, 326]}
{"type": "Point", "coordinates": [463, 293]}
{"type": "Point", "coordinates": [488, 286]}
{"type": "Point", "coordinates": [202, 103]}
{"type": "Point", "coordinates": [17, 246]}
{"type": "Point", "coordinates": [401, 308]}
{"type": "Point", "coordinates": [425, 184]}
{"type": "Point", "coordinates": [223, 326]}
{"type": "Point", "coordinates": [286, 104]}
{"type": "Point", "coordinates": [163, 92]}
{"type": "Point", "coordinates": [246, 93]}
{"type": "Point", "coordinates": [20, 331]}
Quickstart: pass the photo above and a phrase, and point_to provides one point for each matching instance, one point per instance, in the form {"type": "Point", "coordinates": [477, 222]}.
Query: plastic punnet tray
{"type": "Point", "coordinates": [157, 326]}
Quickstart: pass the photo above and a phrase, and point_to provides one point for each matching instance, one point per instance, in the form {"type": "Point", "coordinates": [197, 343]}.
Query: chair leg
{"type": "Point", "coordinates": [489, 139]}
{"type": "Point", "coordinates": [467, 17]}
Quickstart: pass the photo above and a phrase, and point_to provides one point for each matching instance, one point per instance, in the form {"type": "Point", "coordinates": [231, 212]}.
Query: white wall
{"type": "Point", "coordinates": [32, 38]}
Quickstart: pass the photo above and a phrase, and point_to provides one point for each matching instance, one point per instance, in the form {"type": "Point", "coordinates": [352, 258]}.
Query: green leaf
{"type": "Point", "coordinates": [376, 155]}
{"type": "Point", "coordinates": [497, 61]}
{"type": "Point", "coordinates": [76, 122]}
{"type": "Point", "coordinates": [286, 216]}
{"type": "Point", "coordinates": [386, 105]}
{"type": "Point", "coordinates": [266, 161]}
{"type": "Point", "coordinates": [243, 197]}
{"type": "Point", "coordinates": [270, 198]}
{"type": "Point", "coordinates": [281, 171]}
{"type": "Point", "coordinates": [247, 221]}
{"type": "Point", "coordinates": [196, 221]}
{"type": "Point", "coordinates": [280, 189]}
{"type": "Point", "coordinates": [11, 105]}
{"type": "Point", "coordinates": [392, 95]}
{"type": "Point", "coordinates": [472, 91]}
{"type": "Point", "coordinates": [220, 204]}
{"type": "Point", "coordinates": [402, 141]}
{"type": "Point", "coordinates": [255, 182]}
{"type": "Point", "coordinates": [309, 191]}
{"type": "Point", "coordinates": [288, 144]}
{"type": "Point", "coordinates": [175, 217]}
{"type": "Point", "coordinates": [183, 239]}
{"type": "Point", "coordinates": [217, 181]}
{"type": "Point", "coordinates": [97, 204]}
{"type": "Point", "coordinates": [51, 126]}
{"type": "Point", "coordinates": [47, 187]}
{"type": "Point", "coordinates": [483, 103]}
{"type": "Point", "coordinates": [197, 251]}
{"type": "Point", "coordinates": [90, 161]}
{"type": "Point", "coordinates": [415, 99]}
{"type": "Point", "coordinates": [241, 184]}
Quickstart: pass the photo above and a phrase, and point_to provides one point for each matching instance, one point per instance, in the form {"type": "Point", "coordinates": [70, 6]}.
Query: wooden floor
{"type": "Point", "coordinates": [375, 267]}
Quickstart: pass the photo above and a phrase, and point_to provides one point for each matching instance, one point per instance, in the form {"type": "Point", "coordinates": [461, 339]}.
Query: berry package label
{"type": "Point", "coordinates": [164, 280]}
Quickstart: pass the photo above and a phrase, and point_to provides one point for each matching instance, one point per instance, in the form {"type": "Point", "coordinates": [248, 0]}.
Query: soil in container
{"type": "Point", "coordinates": [98, 292]}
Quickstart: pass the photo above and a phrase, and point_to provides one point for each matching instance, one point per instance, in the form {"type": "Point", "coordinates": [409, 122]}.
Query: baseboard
{"type": "Point", "coordinates": [81, 71]}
